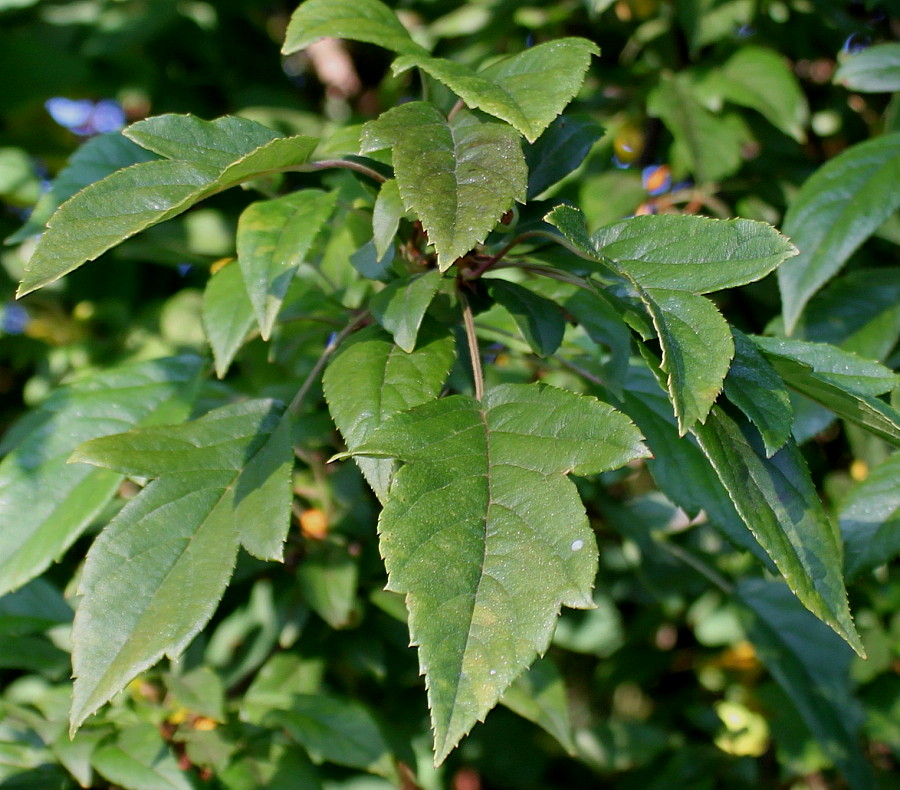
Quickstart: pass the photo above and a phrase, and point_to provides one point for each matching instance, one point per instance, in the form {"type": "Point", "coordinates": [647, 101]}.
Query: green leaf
{"type": "Point", "coordinates": [273, 238]}
{"type": "Point", "coordinates": [678, 466]}
{"type": "Point", "coordinates": [539, 695]}
{"type": "Point", "coordinates": [560, 150]}
{"type": "Point", "coordinates": [329, 577]}
{"type": "Point", "coordinates": [874, 70]}
{"type": "Point", "coordinates": [870, 519]}
{"type": "Point", "coordinates": [539, 319]}
{"type": "Point", "coordinates": [779, 504]}
{"type": "Point", "coordinates": [357, 20]}
{"type": "Point", "coordinates": [697, 348]}
{"type": "Point", "coordinates": [370, 379]}
{"type": "Point", "coordinates": [97, 158]}
{"type": "Point", "coordinates": [605, 326]}
{"type": "Point", "coordinates": [838, 380]}
{"type": "Point", "coordinates": [154, 576]}
{"type": "Point", "coordinates": [459, 177]}
{"type": "Point", "coordinates": [227, 315]}
{"type": "Point", "coordinates": [707, 145]}
{"type": "Point", "coordinates": [216, 143]}
{"type": "Point", "coordinates": [335, 730]}
{"type": "Point", "coordinates": [386, 216]}
{"type": "Point", "coordinates": [109, 211]}
{"type": "Point", "coordinates": [481, 509]}
{"type": "Point", "coordinates": [841, 368]}
{"type": "Point", "coordinates": [200, 690]}
{"type": "Point", "coordinates": [34, 608]}
{"type": "Point", "coordinates": [850, 313]}
{"type": "Point", "coordinates": [760, 78]}
{"type": "Point", "coordinates": [139, 759]}
{"type": "Point", "coordinates": [527, 90]}
{"type": "Point", "coordinates": [401, 306]}
{"type": "Point", "coordinates": [270, 765]}
{"type": "Point", "coordinates": [843, 203]}
{"type": "Point", "coordinates": [753, 385]}
{"type": "Point", "coordinates": [36, 528]}
{"type": "Point", "coordinates": [688, 253]}
{"type": "Point", "coordinates": [813, 667]}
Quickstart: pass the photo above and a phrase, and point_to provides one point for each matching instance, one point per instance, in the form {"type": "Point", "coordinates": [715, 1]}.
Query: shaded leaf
{"type": "Point", "coordinates": [874, 70]}
{"type": "Point", "coordinates": [870, 519]}
{"type": "Point", "coordinates": [813, 668]}
{"type": "Point", "coordinates": [200, 690]}
{"type": "Point", "coordinates": [527, 90]}
{"type": "Point", "coordinates": [605, 326]}
{"type": "Point", "coordinates": [560, 150]}
{"type": "Point", "coordinates": [697, 348]}
{"type": "Point", "coordinates": [779, 504]}
{"type": "Point", "coordinates": [139, 759]}
{"type": "Point", "coordinates": [34, 608]}
{"type": "Point", "coordinates": [386, 216]}
{"type": "Point", "coordinates": [269, 765]}
{"type": "Point", "coordinates": [358, 20]}
{"type": "Point", "coordinates": [753, 385]}
{"type": "Point", "coordinates": [539, 695]}
{"type": "Point", "coordinates": [850, 313]}
{"type": "Point", "coordinates": [154, 576]}
{"type": "Point", "coordinates": [401, 306]}
{"type": "Point", "coordinates": [707, 145]}
{"type": "Point", "coordinates": [482, 508]}
{"type": "Point", "coordinates": [838, 380]}
{"type": "Point", "coordinates": [273, 238]}
{"type": "Point", "coordinates": [370, 379]}
{"type": "Point", "coordinates": [35, 528]}
{"type": "Point", "coordinates": [539, 319]}
{"type": "Point", "coordinates": [328, 577]}
{"type": "Point", "coordinates": [227, 315]}
{"type": "Point", "coordinates": [335, 730]}
{"type": "Point", "coordinates": [459, 177]}
{"type": "Point", "coordinates": [760, 78]}
{"type": "Point", "coordinates": [843, 203]}
{"type": "Point", "coordinates": [109, 211]}
{"type": "Point", "coordinates": [678, 465]}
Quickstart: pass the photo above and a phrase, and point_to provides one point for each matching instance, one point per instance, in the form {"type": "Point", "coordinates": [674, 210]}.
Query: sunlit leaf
{"type": "Point", "coordinates": [527, 90]}
{"type": "Point", "coordinates": [697, 349]}
{"type": "Point", "coordinates": [370, 379]}
{"type": "Point", "coordinates": [357, 20]}
{"type": "Point", "coordinates": [111, 210]}
{"type": "Point", "coordinates": [273, 238]}
{"type": "Point", "coordinates": [227, 315]}
{"type": "Point", "coordinates": [401, 306]}
{"type": "Point", "coordinates": [154, 576]}
{"type": "Point", "coordinates": [874, 70]}
{"type": "Point", "coordinates": [458, 177]}
{"type": "Point", "coordinates": [480, 509]}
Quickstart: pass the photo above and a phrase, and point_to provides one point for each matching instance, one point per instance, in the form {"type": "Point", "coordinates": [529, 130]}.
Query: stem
{"type": "Point", "coordinates": [359, 167]}
{"type": "Point", "coordinates": [698, 565]}
{"type": "Point", "coordinates": [455, 109]}
{"type": "Point", "coordinates": [474, 353]}
{"type": "Point", "coordinates": [333, 342]}
{"type": "Point", "coordinates": [476, 273]}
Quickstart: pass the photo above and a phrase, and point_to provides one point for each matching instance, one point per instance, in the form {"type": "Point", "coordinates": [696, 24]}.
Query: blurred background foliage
{"type": "Point", "coordinates": [720, 107]}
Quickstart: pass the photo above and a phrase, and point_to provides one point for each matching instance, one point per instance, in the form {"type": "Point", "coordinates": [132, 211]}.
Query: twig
{"type": "Point", "coordinates": [333, 342]}
{"type": "Point", "coordinates": [474, 353]}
